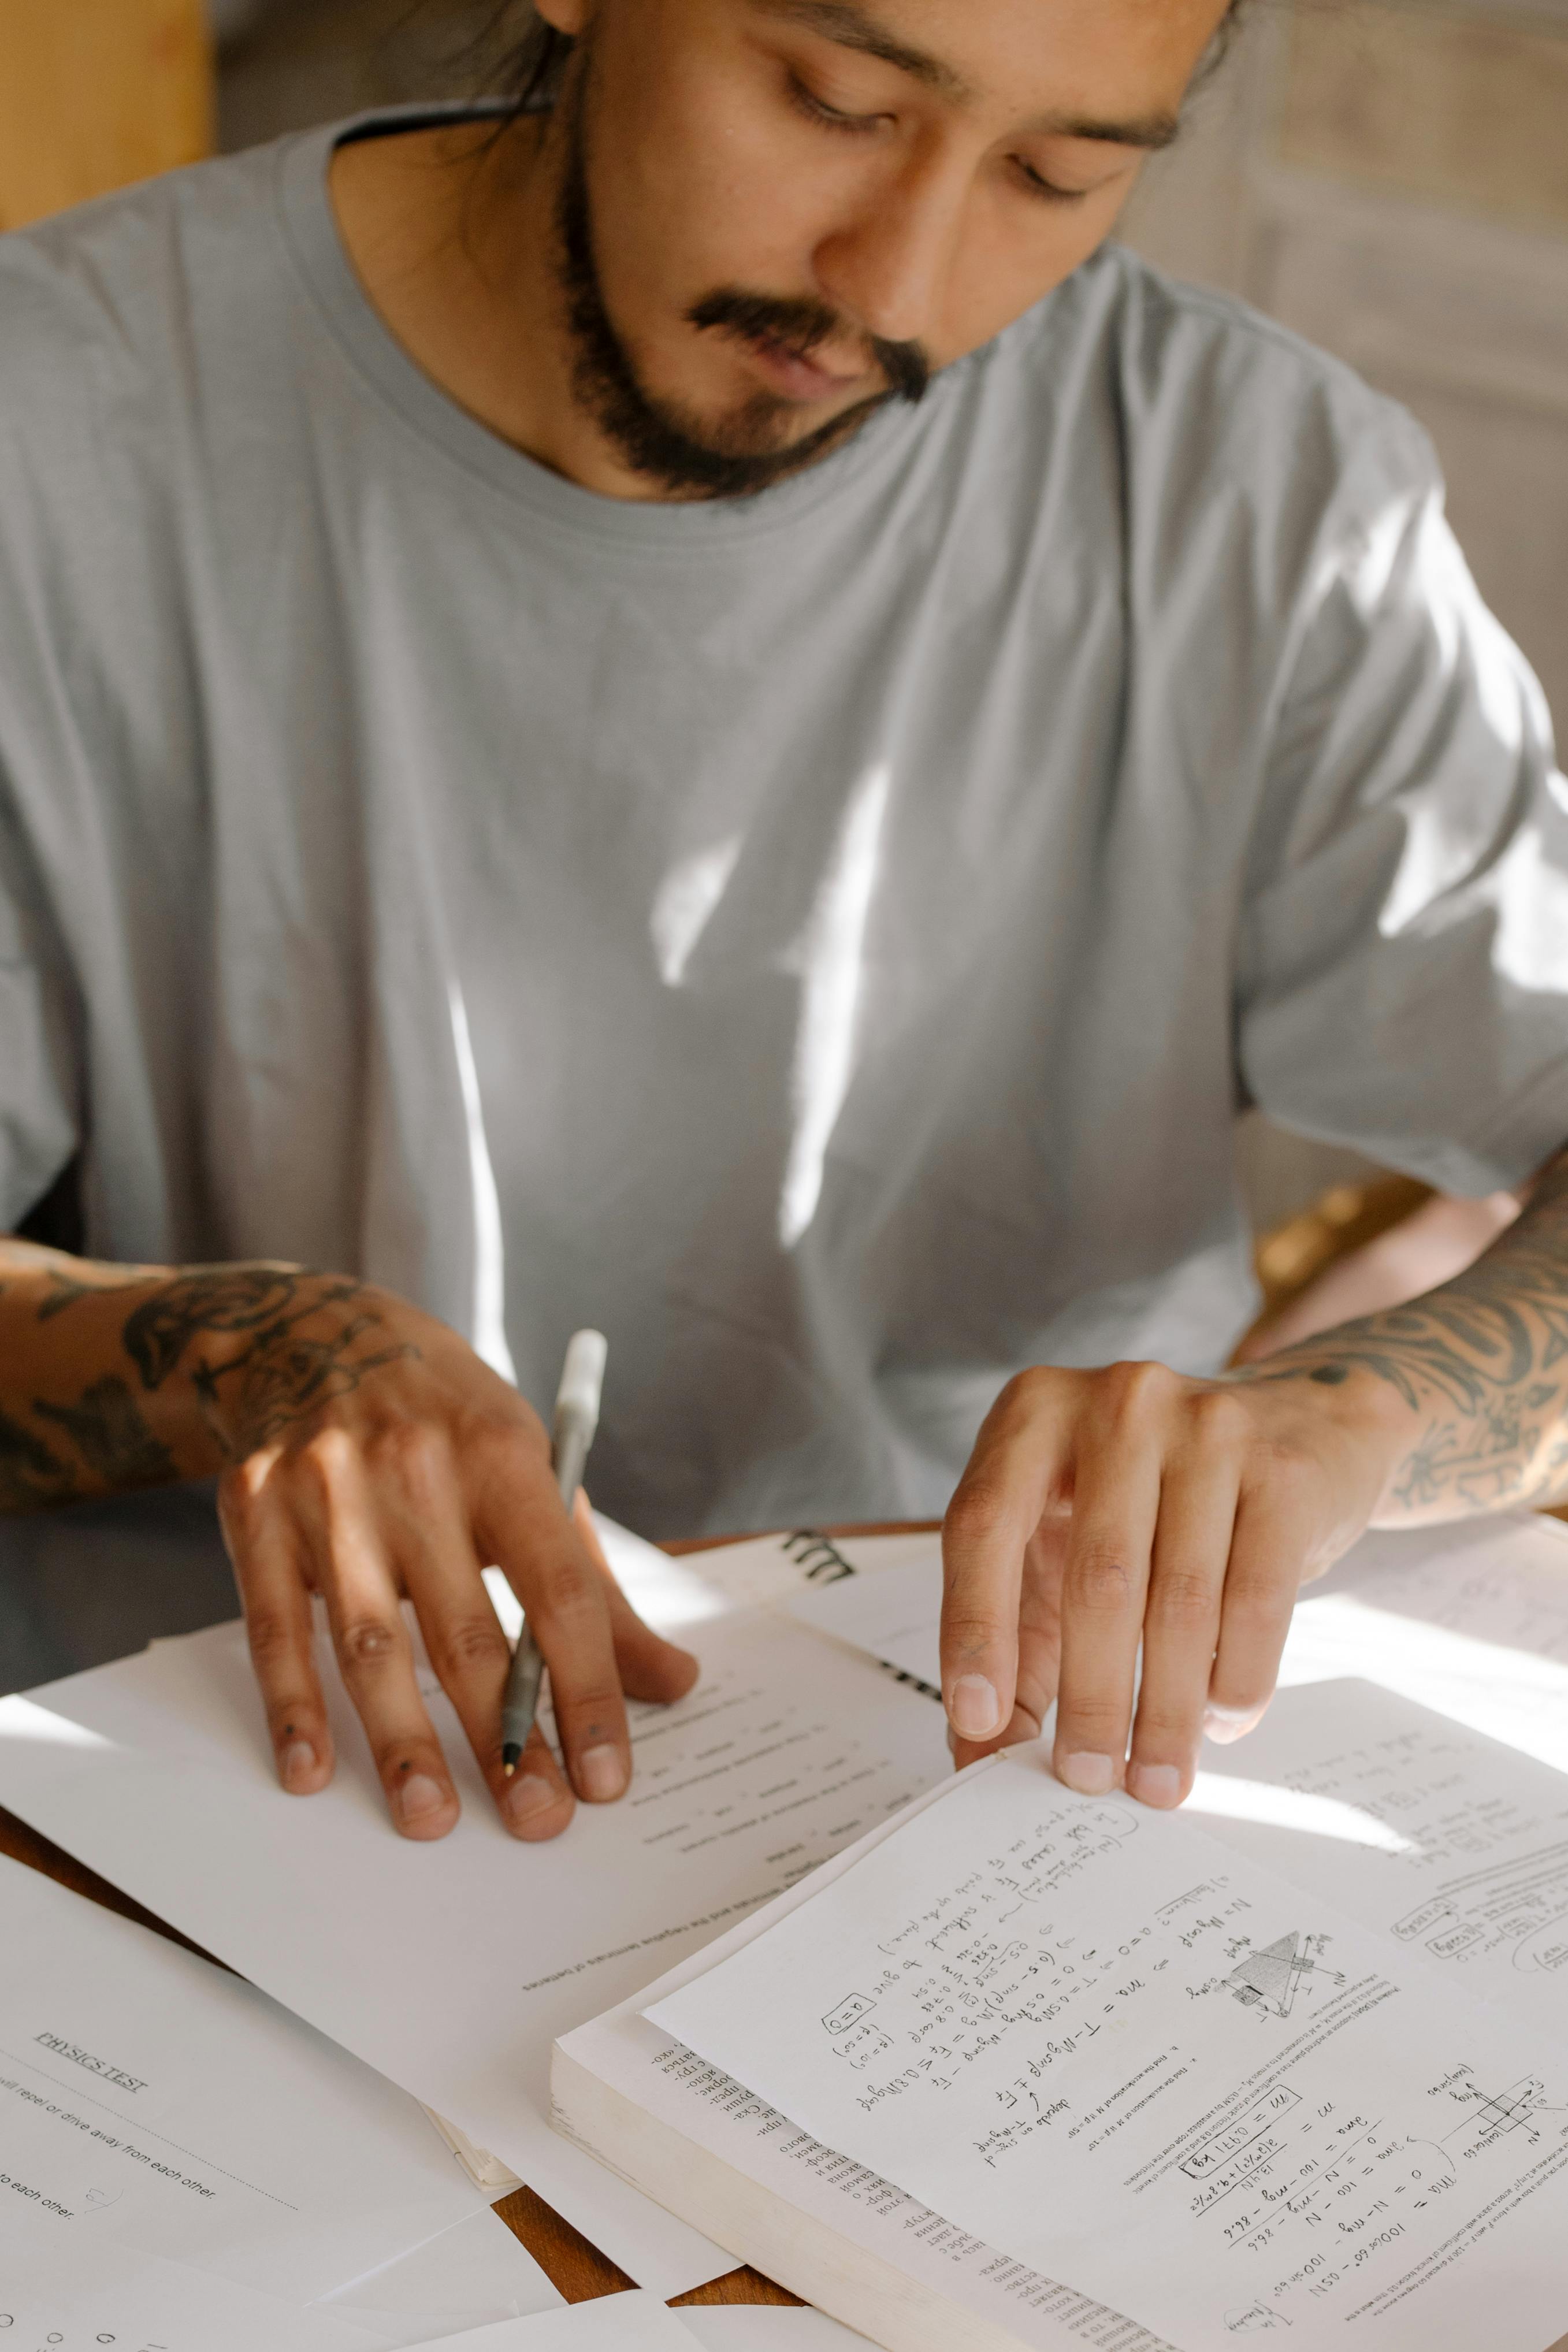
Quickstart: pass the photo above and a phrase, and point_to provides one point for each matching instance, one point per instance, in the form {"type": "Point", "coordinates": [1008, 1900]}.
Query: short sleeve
{"type": "Point", "coordinates": [1402, 960]}
{"type": "Point", "coordinates": [39, 1122]}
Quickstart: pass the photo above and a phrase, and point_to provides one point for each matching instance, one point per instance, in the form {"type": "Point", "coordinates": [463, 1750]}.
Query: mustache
{"type": "Point", "coordinates": [802, 325]}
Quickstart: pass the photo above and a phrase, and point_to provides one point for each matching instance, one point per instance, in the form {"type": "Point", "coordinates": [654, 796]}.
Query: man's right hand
{"type": "Point", "coordinates": [366, 1454]}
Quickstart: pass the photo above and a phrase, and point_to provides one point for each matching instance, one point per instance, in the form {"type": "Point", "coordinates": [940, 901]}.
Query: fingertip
{"type": "Point", "coordinates": [535, 1809]}
{"type": "Point", "coordinates": [974, 1707]}
{"type": "Point", "coordinates": [1085, 1772]}
{"type": "Point", "coordinates": [303, 1767]}
{"type": "Point", "coordinates": [1226, 1725]}
{"type": "Point", "coordinates": [423, 1807]}
{"type": "Point", "coordinates": [684, 1671]}
{"type": "Point", "coordinates": [602, 1773]}
{"type": "Point", "coordinates": [1162, 1786]}
{"type": "Point", "coordinates": [657, 1670]}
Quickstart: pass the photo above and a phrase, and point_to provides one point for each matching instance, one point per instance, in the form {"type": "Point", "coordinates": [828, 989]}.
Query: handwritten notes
{"type": "Point", "coordinates": [1455, 1846]}
{"type": "Point", "coordinates": [1135, 2060]}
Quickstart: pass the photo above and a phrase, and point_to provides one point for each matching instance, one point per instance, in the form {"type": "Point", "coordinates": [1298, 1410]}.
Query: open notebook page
{"type": "Point", "coordinates": [1019, 1985]}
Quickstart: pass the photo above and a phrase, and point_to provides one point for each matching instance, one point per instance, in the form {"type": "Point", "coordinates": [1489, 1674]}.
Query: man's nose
{"type": "Point", "coordinates": [888, 269]}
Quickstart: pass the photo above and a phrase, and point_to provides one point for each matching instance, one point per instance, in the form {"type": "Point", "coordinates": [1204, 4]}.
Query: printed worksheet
{"type": "Point", "coordinates": [106, 2292]}
{"type": "Point", "coordinates": [148, 2095]}
{"type": "Point", "coordinates": [1453, 1844]}
{"type": "Point", "coordinates": [1135, 2060]}
{"type": "Point", "coordinates": [452, 1965]}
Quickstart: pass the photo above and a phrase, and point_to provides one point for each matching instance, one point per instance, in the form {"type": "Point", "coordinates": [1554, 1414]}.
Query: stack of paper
{"type": "Point", "coordinates": [1130, 2057]}
{"type": "Point", "coordinates": [451, 1966]}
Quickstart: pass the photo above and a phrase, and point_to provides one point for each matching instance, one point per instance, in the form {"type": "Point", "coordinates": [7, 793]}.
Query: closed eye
{"type": "Point", "coordinates": [1048, 190]}
{"type": "Point", "coordinates": [831, 118]}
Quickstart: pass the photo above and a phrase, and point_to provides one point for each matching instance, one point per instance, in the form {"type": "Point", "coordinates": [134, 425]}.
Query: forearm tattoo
{"type": "Point", "coordinates": [306, 1339]}
{"type": "Point", "coordinates": [1482, 1361]}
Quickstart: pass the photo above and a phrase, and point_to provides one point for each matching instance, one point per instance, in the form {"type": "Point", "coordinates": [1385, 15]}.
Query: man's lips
{"type": "Point", "coordinates": [797, 377]}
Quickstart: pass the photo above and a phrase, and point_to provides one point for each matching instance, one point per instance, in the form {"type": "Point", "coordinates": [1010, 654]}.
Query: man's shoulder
{"type": "Point", "coordinates": [1204, 390]}
{"type": "Point", "coordinates": [107, 298]}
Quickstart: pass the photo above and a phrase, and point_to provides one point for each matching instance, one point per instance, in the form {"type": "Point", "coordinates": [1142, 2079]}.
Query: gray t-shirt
{"type": "Point", "coordinates": [823, 940]}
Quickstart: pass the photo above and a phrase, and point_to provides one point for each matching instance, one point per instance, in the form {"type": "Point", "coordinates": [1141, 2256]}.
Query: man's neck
{"type": "Point", "coordinates": [451, 233]}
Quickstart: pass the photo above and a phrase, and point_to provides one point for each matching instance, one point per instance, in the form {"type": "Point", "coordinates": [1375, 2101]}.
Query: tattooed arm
{"type": "Point", "coordinates": [1480, 1365]}
{"type": "Point", "coordinates": [363, 1453]}
{"type": "Point", "coordinates": [1133, 1517]}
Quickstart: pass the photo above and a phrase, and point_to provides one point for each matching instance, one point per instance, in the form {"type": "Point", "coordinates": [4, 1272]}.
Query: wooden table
{"type": "Point", "coordinates": [575, 2267]}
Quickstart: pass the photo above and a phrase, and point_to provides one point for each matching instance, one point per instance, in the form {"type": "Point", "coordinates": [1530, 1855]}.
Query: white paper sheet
{"type": "Point", "coordinates": [708, 2107]}
{"type": "Point", "coordinates": [1471, 1621]}
{"type": "Point", "coordinates": [108, 2293]}
{"type": "Point", "coordinates": [472, 2274]}
{"type": "Point", "coordinates": [147, 2094]}
{"type": "Point", "coordinates": [452, 1965]}
{"type": "Point", "coordinates": [768, 2327]}
{"type": "Point", "coordinates": [762, 1570]}
{"type": "Point", "coordinates": [615, 2323]}
{"type": "Point", "coordinates": [896, 1614]}
{"type": "Point", "coordinates": [1448, 1841]}
{"type": "Point", "coordinates": [1246, 2109]}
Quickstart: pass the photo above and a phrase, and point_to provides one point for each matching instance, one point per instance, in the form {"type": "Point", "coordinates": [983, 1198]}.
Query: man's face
{"type": "Point", "coordinates": [777, 214]}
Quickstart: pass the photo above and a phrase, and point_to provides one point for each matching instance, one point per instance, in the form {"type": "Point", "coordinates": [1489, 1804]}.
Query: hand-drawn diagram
{"type": "Point", "coordinates": [1491, 2115]}
{"type": "Point", "coordinates": [1271, 1978]}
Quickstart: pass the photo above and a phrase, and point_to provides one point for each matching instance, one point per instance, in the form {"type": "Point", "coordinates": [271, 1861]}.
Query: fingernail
{"type": "Point", "coordinates": [602, 1774]}
{"type": "Point", "coordinates": [1154, 1784]}
{"type": "Point", "coordinates": [528, 1796]}
{"type": "Point", "coordinates": [973, 1708]}
{"type": "Point", "coordinates": [419, 1797]}
{"type": "Point", "coordinates": [297, 1766]}
{"type": "Point", "coordinates": [1225, 1723]}
{"type": "Point", "coordinates": [1091, 1776]}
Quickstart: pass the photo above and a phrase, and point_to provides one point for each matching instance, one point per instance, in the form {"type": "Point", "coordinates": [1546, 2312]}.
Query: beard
{"type": "Point", "coordinates": [663, 440]}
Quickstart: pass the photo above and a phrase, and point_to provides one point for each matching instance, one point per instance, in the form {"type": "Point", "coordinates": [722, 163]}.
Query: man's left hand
{"type": "Point", "coordinates": [1106, 1511]}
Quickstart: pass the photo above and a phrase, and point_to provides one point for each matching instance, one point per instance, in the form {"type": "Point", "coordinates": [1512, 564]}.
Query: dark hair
{"type": "Point", "coordinates": [531, 69]}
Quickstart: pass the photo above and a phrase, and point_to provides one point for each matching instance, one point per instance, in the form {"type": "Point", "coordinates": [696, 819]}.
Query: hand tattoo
{"type": "Point", "coordinates": [30, 1476]}
{"type": "Point", "coordinates": [284, 1373]}
{"type": "Point", "coordinates": [114, 1440]}
{"type": "Point", "coordinates": [210, 1298]}
{"type": "Point", "coordinates": [305, 1338]}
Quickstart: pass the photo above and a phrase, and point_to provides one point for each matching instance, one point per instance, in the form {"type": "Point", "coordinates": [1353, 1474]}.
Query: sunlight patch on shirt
{"type": "Point", "coordinates": [687, 899]}
{"type": "Point", "coordinates": [831, 960]}
{"type": "Point", "coordinates": [490, 1338]}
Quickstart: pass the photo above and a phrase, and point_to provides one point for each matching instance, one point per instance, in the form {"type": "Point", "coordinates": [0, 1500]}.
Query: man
{"type": "Point", "coordinates": [696, 709]}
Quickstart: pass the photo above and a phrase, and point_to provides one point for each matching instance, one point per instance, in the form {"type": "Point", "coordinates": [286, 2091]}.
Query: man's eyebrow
{"type": "Point", "coordinates": [1143, 131]}
{"type": "Point", "coordinates": [854, 27]}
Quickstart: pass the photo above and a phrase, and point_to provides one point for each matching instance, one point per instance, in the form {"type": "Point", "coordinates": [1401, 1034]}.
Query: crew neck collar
{"type": "Point", "coordinates": [311, 230]}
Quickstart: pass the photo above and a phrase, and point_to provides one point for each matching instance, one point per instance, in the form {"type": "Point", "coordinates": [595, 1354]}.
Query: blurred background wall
{"type": "Point", "coordinates": [1388, 177]}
